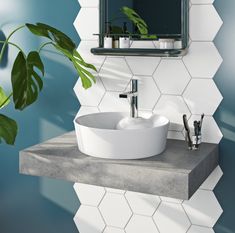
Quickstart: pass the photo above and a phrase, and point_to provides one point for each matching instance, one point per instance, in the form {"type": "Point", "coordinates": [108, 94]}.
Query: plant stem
{"type": "Point", "coordinates": [6, 100]}
{"type": "Point", "coordinates": [7, 41]}
{"type": "Point", "coordinates": [15, 45]}
{"type": "Point", "coordinates": [43, 45]}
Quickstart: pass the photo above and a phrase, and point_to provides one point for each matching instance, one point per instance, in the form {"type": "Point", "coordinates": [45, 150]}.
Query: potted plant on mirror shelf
{"type": "Point", "coordinates": [28, 72]}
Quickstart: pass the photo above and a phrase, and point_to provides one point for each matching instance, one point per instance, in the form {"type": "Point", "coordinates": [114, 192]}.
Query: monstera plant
{"type": "Point", "coordinates": [28, 72]}
{"type": "Point", "coordinates": [136, 19]}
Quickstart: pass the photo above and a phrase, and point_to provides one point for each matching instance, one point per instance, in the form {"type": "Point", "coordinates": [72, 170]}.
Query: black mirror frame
{"type": "Point", "coordinates": [141, 51]}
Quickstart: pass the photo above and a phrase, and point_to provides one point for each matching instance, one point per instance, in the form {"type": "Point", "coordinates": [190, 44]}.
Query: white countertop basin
{"type": "Point", "coordinates": [98, 136]}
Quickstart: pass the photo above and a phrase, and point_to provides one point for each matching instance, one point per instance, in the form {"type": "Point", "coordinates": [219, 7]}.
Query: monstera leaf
{"type": "Point", "coordinates": [80, 66]}
{"type": "Point", "coordinates": [4, 100]}
{"type": "Point", "coordinates": [67, 47]}
{"type": "Point", "coordinates": [8, 129]}
{"type": "Point", "coordinates": [26, 82]}
{"type": "Point", "coordinates": [53, 34]}
{"type": "Point", "coordinates": [138, 21]}
{"type": "Point", "coordinates": [28, 71]}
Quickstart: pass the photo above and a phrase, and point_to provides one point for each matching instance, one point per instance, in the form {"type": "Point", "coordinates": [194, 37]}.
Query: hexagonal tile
{"type": "Point", "coordinates": [213, 179]}
{"type": "Point", "coordinates": [202, 1]}
{"type": "Point", "coordinates": [147, 91]}
{"type": "Point", "coordinates": [172, 76]}
{"type": "Point", "coordinates": [143, 204]}
{"type": "Point", "coordinates": [171, 217]}
{"type": "Point", "coordinates": [89, 220]}
{"type": "Point", "coordinates": [172, 200]}
{"type": "Point", "coordinates": [140, 224]}
{"type": "Point", "coordinates": [203, 60]}
{"type": "Point", "coordinates": [91, 96]}
{"type": "Point", "coordinates": [84, 50]}
{"type": "Point", "coordinates": [115, 210]}
{"type": "Point", "coordinates": [173, 107]}
{"type": "Point", "coordinates": [87, 23]}
{"type": "Point", "coordinates": [141, 44]}
{"type": "Point", "coordinates": [143, 65]}
{"type": "Point", "coordinates": [203, 208]}
{"type": "Point", "coordinates": [118, 191]}
{"type": "Point", "coordinates": [210, 130]}
{"type": "Point", "coordinates": [115, 74]}
{"type": "Point", "coordinates": [204, 22]}
{"type": "Point", "coordinates": [202, 96]}
{"type": "Point", "coordinates": [198, 229]}
{"type": "Point", "coordinates": [89, 194]}
{"type": "Point", "coordinates": [113, 230]}
{"type": "Point", "coordinates": [112, 103]}
{"type": "Point", "coordinates": [89, 3]}
{"type": "Point", "coordinates": [84, 110]}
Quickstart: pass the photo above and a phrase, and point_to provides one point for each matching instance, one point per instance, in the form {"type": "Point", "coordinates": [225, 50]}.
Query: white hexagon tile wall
{"type": "Point", "coordinates": [170, 86]}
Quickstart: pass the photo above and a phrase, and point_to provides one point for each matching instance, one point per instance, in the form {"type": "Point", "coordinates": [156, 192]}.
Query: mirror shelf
{"type": "Point", "coordinates": [140, 52]}
{"type": "Point", "coordinates": [166, 25]}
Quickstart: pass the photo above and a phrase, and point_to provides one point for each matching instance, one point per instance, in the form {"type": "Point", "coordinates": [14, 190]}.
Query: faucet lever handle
{"type": "Point", "coordinates": [123, 96]}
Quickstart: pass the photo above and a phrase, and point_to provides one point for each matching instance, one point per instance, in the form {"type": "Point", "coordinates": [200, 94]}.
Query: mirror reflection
{"type": "Point", "coordinates": [154, 17]}
{"type": "Point", "coordinates": [158, 25]}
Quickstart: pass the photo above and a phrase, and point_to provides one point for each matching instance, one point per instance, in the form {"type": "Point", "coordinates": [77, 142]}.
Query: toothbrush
{"type": "Point", "coordinates": [188, 137]}
{"type": "Point", "coordinates": [201, 121]}
{"type": "Point", "coordinates": [197, 132]}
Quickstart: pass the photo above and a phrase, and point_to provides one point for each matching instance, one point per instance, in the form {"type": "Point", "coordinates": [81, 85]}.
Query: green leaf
{"type": "Point", "coordinates": [68, 48]}
{"type": "Point", "coordinates": [53, 34]}
{"type": "Point", "coordinates": [26, 82]}
{"type": "Point", "coordinates": [77, 55]}
{"type": "Point", "coordinates": [4, 101]}
{"type": "Point", "coordinates": [80, 66]}
{"type": "Point", "coordinates": [8, 129]}
{"type": "Point", "coordinates": [138, 21]}
{"type": "Point", "coordinates": [38, 31]}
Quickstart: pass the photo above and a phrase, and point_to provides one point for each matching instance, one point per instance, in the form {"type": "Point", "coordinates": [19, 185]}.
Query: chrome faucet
{"type": "Point", "coordinates": [133, 95]}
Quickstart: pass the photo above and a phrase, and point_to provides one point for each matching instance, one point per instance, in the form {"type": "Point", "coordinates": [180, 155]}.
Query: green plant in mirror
{"type": "Point", "coordinates": [28, 72]}
{"type": "Point", "coordinates": [136, 19]}
{"type": "Point", "coordinates": [142, 26]}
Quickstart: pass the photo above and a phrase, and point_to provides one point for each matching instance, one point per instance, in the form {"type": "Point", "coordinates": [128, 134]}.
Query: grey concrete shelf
{"type": "Point", "coordinates": [176, 173]}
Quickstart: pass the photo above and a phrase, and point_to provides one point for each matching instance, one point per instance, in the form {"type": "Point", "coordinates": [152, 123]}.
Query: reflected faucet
{"type": "Point", "coordinates": [133, 95]}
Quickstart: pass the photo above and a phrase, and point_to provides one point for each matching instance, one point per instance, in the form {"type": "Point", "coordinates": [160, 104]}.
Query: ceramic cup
{"type": "Point", "coordinates": [124, 42]}
{"type": "Point", "coordinates": [166, 43]}
{"type": "Point", "coordinates": [108, 42]}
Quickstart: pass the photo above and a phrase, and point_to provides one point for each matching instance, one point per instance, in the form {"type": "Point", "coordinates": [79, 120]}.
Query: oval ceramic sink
{"type": "Point", "coordinates": [98, 136]}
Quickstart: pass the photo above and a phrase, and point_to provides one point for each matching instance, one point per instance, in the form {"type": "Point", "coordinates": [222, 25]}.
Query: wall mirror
{"type": "Point", "coordinates": [147, 28]}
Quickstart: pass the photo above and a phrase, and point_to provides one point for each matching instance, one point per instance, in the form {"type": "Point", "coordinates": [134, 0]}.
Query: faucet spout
{"type": "Point", "coordinates": [133, 95]}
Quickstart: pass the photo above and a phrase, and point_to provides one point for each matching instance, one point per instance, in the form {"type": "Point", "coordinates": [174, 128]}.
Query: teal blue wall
{"type": "Point", "coordinates": [29, 204]}
{"type": "Point", "coordinates": [225, 116]}
{"type": "Point", "coordinates": [33, 205]}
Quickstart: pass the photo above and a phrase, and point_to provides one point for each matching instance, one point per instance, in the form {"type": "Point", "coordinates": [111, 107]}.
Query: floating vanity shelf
{"type": "Point", "coordinates": [176, 173]}
{"type": "Point", "coordinates": [140, 52]}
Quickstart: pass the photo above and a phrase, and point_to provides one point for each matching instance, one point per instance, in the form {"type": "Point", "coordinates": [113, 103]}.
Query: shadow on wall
{"type": "Point", "coordinates": [3, 63]}
{"type": "Point", "coordinates": [30, 204]}
{"type": "Point", "coordinates": [225, 116]}
{"type": "Point", "coordinates": [31, 201]}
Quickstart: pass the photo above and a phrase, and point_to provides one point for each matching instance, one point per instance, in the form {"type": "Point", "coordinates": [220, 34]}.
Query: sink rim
{"type": "Point", "coordinates": [125, 114]}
